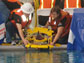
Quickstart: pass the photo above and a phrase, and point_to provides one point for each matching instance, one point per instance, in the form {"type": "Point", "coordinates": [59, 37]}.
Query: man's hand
{"type": "Point", "coordinates": [25, 42]}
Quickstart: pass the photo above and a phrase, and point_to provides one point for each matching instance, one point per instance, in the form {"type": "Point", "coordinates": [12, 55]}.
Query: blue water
{"type": "Point", "coordinates": [41, 57]}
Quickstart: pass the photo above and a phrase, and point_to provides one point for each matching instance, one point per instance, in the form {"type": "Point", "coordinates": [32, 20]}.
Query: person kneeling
{"type": "Point", "coordinates": [19, 20]}
{"type": "Point", "coordinates": [60, 24]}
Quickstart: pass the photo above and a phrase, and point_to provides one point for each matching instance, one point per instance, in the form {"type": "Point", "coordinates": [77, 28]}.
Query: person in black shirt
{"type": "Point", "coordinates": [60, 24]}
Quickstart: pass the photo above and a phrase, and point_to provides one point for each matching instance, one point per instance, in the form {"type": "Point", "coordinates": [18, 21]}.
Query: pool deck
{"type": "Point", "coordinates": [20, 48]}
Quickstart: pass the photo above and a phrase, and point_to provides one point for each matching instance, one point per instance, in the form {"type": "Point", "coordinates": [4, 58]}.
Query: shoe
{"type": "Point", "coordinates": [13, 43]}
{"type": "Point", "coordinates": [17, 41]}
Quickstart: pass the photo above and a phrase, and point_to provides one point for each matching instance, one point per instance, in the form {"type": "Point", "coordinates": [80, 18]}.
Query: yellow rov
{"type": "Point", "coordinates": [40, 37]}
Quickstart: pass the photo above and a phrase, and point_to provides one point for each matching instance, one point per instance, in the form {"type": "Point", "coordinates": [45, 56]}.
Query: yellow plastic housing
{"type": "Point", "coordinates": [40, 30]}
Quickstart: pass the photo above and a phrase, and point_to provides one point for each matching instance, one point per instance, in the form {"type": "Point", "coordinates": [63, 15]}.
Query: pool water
{"type": "Point", "coordinates": [41, 57]}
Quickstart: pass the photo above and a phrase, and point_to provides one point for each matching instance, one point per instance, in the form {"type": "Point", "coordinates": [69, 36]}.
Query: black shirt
{"type": "Point", "coordinates": [62, 22]}
{"type": "Point", "coordinates": [17, 18]}
{"type": "Point", "coordinates": [11, 5]}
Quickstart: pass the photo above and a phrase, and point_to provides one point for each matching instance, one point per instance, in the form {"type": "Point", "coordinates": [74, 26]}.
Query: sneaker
{"type": "Point", "coordinates": [16, 41]}
{"type": "Point", "coordinates": [13, 43]}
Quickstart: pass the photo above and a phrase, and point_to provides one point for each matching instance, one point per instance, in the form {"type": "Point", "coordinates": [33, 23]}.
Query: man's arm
{"type": "Point", "coordinates": [18, 21]}
{"type": "Point", "coordinates": [19, 27]}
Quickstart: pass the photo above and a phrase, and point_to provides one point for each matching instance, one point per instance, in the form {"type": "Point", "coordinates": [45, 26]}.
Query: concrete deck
{"type": "Point", "coordinates": [20, 48]}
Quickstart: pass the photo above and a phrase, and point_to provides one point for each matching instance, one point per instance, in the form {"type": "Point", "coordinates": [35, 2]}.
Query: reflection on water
{"type": "Point", "coordinates": [41, 57]}
{"type": "Point", "coordinates": [76, 57]}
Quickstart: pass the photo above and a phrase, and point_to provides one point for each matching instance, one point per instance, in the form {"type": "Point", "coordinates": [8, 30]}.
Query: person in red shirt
{"type": "Point", "coordinates": [60, 24]}
{"type": "Point", "coordinates": [19, 20]}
